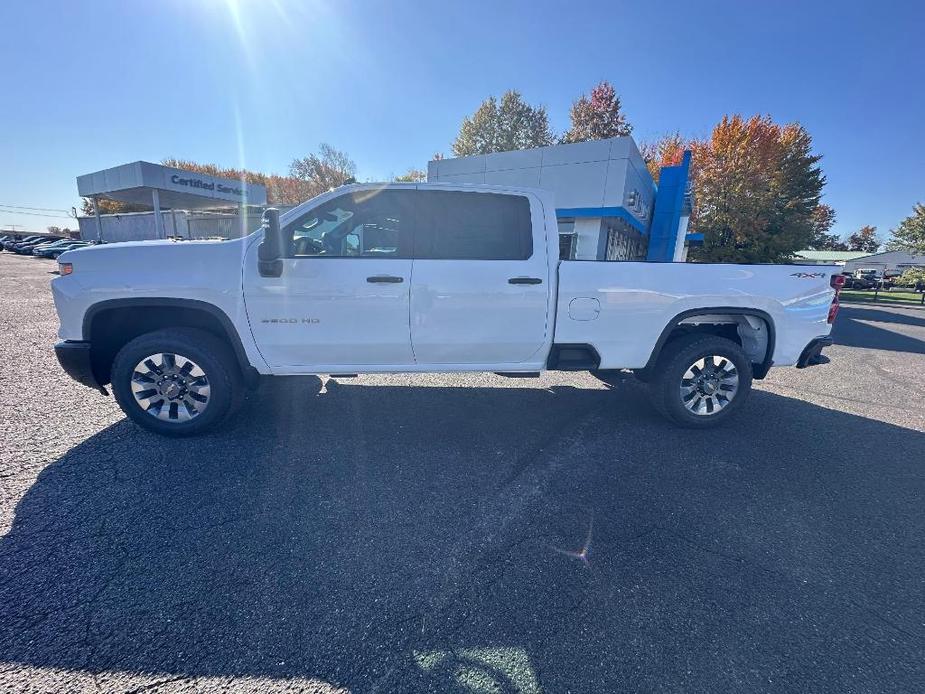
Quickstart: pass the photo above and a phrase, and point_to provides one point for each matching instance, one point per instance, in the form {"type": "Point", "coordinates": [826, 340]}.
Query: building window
{"type": "Point", "coordinates": [623, 241]}
{"type": "Point", "coordinates": [567, 238]}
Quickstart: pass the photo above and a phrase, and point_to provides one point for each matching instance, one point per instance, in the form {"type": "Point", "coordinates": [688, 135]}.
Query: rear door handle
{"type": "Point", "coordinates": [385, 278]}
{"type": "Point", "coordinates": [525, 280]}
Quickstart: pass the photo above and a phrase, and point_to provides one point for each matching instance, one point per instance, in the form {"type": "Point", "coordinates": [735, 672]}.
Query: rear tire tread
{"type": "Point", "coordinates": [674, 360]}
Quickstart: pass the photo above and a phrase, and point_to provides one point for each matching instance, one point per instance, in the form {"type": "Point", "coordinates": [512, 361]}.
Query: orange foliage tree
{"type": "Point", "coordinates": [757, 187]}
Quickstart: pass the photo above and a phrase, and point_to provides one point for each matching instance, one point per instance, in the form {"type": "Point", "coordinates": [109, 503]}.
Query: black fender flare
{"type": "Point", "coordinates": [759, 370]}
{"type": "Point", "coordinates": [248, 371]}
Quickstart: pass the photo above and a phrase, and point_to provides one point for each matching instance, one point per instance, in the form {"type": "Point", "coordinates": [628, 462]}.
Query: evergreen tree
{"type": "Point", "coordinates": [501, 127]}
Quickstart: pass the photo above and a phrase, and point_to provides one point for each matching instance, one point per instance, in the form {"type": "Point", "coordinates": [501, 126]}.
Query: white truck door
{"type": "Point", "coordinates": [480, 283]}
{"type": "Point", "coordinates": [343, 297]}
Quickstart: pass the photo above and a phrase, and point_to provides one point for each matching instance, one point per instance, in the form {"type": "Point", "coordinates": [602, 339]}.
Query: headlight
{"type": "Point", "coordinates": [65, 269]}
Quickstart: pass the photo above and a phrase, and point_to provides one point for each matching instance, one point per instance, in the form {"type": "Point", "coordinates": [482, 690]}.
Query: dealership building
{"type": "Point", "coordinates": [607, 204]}
{"type": "Point", "coordinates": [184, 204]}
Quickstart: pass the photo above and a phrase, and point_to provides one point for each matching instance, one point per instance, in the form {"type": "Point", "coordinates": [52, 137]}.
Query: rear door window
{"type": "Point", "coordinates": [459, 225]}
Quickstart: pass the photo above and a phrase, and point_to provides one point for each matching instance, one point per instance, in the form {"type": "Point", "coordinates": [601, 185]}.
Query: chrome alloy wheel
{"type": "Point", "coordinates": [170, 387]}
{"type": "Point", "coordinates": [709, 384]}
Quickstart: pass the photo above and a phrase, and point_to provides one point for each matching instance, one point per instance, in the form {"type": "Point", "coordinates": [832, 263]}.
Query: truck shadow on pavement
{"type": "Point", "coordinates": [394, 538]}
{"type": "Point", "coordinates": [856, 327]}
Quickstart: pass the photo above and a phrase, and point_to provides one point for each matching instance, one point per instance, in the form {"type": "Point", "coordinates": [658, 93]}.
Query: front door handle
{"type": "Point", "coordinates": [525, 280]}
{"type": "Point", "coordinates": [385, 278]}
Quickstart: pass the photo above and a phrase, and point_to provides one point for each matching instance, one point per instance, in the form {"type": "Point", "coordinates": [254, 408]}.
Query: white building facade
{"type": "Point", "coordinates": [606, 200]}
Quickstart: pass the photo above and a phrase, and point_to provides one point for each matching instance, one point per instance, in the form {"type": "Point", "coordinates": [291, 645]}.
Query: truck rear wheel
{"type": "Point", "coordinates": [176, 381]}
{"type": "Point", "coordinates": [700, 381]}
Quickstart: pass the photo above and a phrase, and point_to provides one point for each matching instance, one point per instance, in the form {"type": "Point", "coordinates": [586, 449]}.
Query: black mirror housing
{"type": "Point", "coordinates": [270, 250]}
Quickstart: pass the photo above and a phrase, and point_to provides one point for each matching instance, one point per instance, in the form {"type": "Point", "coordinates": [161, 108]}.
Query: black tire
{"type": "Point", "coordinates": [209, 353]}
{"type": "Point", "coordinates": [665, 387]}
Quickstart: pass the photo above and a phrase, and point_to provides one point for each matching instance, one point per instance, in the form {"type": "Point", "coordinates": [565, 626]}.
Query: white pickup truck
{"type": "Point", "coordinates": [421, 278]}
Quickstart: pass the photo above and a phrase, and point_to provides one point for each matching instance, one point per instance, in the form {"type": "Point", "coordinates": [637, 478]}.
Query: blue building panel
{"type": "Point", "coordinates": [669, 208]}
{"type": "Point", "coordinates": [595, 212]}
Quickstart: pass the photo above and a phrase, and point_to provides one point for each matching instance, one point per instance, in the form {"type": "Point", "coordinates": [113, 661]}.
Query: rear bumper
{"type": "Point", "coordinates": [812, 354]}
{"type": "Point", "coordinates": [74, 358]}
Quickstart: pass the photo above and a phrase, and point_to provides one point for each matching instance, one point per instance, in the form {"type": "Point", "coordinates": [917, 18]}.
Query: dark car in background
{"type": "Point", "coordinates": [25, 248]}
{"type": "Point", "coordinates": [54, 250]}
{"type": "Point", "coordinates": [863, 282]}
{"type": "Point", "coordinates": [14, 241]}
{"type": "Point", "coordinates": [55, 243]}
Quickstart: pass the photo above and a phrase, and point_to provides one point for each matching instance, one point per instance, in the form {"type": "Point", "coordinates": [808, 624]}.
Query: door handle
{"type": "Point", "coordinates": [385, 278]}
{"type": "Point", "coordinates": [525, 280]}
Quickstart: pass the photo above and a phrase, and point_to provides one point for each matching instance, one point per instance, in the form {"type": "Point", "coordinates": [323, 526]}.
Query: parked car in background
{"type": "Point", "coordinates": [51, 244]}
{"type": "Point", "coordinates": [54, 251]}
{"type": "Point", "coordinates": [862, 282]}
{"type": "Point", "coordinates": [26, 248]}
{"type": "Point", "coordinates": [13, 241]}
{"type": "Point", "coordinates": [20, 246]}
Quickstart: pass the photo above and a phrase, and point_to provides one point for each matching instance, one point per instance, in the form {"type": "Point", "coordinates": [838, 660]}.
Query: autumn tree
{"type": "Point", "coordinates": [320, 172]}
{"type": "Point", "coordinates": [412, 175]}
{"type": "Point", "coordinates": [503, 126]}
{"type": "Point", "coordinates": [665, 151]}
{"type": "Point", "coordinates": [910, 234]}
{"type": "Point", "coordinates": [598, 116]}
{"type": "Point", "coordinates": [108, 206]}
{"type": "Point", "coordinates": [757, 186]}
{"type": "Point", "coordinates": [864, 239]}
{"type": "Point", "coordinates": [823, 218]}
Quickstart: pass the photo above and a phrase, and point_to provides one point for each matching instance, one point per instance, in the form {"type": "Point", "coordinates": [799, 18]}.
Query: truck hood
{"type": "Point", "coordinates": [147, 256]}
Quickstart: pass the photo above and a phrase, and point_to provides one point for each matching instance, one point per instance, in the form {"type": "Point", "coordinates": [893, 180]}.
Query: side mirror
{"type": "Point", "coordinates": [270, 250]}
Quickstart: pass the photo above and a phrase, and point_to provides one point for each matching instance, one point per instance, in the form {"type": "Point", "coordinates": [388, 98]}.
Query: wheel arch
{"type": "Point", "coordinates": [717, 316]}
{"type": "Point", "coordinates": [109, 325]}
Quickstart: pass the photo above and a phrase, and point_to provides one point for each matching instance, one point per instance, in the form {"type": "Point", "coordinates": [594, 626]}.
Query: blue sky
{"type": "Point", "coordinates": [259, 82]}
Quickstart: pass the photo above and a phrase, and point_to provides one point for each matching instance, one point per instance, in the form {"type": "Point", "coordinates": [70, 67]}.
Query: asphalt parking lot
{"type": "Point", "coordinates": [406, 534]}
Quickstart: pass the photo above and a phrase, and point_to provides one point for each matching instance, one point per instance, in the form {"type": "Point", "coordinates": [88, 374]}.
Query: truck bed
{"type": "Point", "coordinates": [622, 308]}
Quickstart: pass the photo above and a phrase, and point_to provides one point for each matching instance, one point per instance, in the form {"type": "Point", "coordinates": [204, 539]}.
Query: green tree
{"type": "Point", "coordinates": [910, 234]}
{"type": "Point", "coordinates": [412, 175]}
{"type": "Point", "coordinates": [823, 218]}
{"type": "Point", "coordinates": [502, 127]}
{"type": "Point", "coordinates": [598, 116]}
{"type": "Point", "coordinates": [864, 239]}
{"type": "Point", "coordinates": [911, 277]}
{"type": "Point", "coordinates": [757, 185]}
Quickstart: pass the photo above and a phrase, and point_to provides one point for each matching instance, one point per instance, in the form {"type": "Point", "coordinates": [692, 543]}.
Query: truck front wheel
{"type": "Point", "coordinates": [176, 381]}
{"type": "Point", "coordinates": [700, 381]}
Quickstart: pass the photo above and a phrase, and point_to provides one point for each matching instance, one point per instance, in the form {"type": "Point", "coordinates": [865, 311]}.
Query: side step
{"type": "Point", "coordinates": [577, 357]}
{"type": "Point", "coordinates": [518, 374]}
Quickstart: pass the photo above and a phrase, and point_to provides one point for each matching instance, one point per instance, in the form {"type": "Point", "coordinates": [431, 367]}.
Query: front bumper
{"type": "Point", "coordinates": [812, 354]}
{"type": "Point", "coordinates": [74, 358]}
